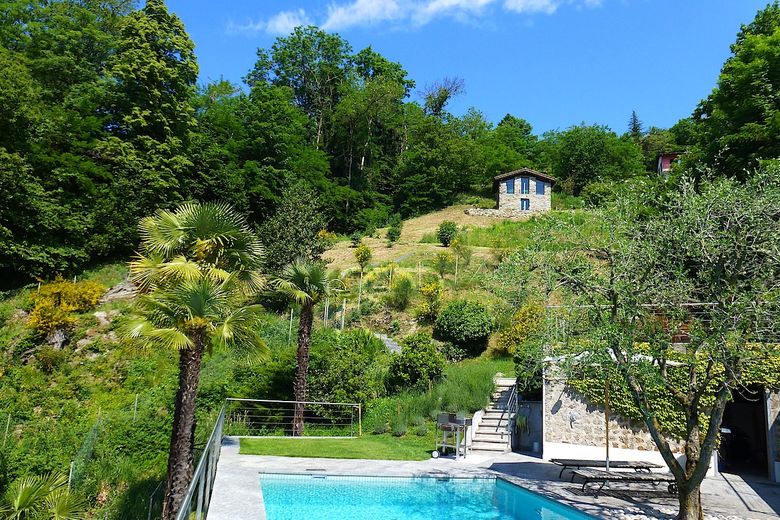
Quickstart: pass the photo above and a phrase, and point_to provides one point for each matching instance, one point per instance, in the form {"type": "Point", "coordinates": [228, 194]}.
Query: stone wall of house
{"type": "Point", "coordinates": [511, 201]}
{"type": "Point", "coordinates": [570, 419]}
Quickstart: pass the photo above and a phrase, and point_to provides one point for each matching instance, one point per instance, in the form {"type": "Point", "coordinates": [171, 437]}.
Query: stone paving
{"type": "Point", "coordinates": [237, 493]}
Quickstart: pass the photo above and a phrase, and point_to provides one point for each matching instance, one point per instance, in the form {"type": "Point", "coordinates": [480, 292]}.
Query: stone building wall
{"type": "Point", "coordinates": [511, 201]}
{"type": "Point", "coordinates": [569, 419]}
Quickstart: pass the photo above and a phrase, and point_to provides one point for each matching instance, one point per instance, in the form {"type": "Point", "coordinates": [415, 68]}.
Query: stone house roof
{"type": "Point", "coordinates": [524, 172]}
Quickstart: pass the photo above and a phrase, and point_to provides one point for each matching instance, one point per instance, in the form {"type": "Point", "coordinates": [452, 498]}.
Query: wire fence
{"type": "Point", "coordinates": [271, 418]}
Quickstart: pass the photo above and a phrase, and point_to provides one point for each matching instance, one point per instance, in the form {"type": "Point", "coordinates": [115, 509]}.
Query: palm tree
{"type": "Point", "coordinates": [307, 284]}
{"type": "Point", "coordinates": [42, 497]}
{"type": "Point", "coordinates": [197, 269]}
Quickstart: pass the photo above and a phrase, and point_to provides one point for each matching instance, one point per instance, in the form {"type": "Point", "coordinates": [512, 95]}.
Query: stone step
{"type": "Point", "coordinates": [494, 422]}
{"type": "Point", "coordinates": [492, 434]}
{"type": "Point", "coordinates": [491, 439]}
{"type": "Point", "coordinates": [489, 446]}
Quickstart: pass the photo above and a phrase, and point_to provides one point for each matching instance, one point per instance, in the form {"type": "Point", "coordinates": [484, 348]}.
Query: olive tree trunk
{"type": "Point", "coordinates": [180, 457]}
{"type": "Point", "coordinates": [302, 368]}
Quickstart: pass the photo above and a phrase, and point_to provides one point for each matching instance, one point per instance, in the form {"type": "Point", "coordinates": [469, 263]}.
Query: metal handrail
{"type": "Point", "coordinates": [203, 478]}
{"type": "Point", "coordinates": [511, 409]}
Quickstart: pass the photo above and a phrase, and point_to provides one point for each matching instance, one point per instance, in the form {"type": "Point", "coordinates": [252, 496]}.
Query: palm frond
{"type": "Point", "coordinates": [180, 268]}
{"type": "Point", "coordinates": [63, 504]}
{"type": "Point", "coordinates": [145, 270]}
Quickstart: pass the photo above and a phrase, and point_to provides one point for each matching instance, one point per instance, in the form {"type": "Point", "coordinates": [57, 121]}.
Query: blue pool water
{"type": "Point", "coordinates": [294, 497]}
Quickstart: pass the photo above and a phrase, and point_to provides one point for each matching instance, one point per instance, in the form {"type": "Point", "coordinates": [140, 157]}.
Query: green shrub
{"type": "Point", "coordinates": [446, 232]}
{"type": "Point", "coordinates": [394, 229]}
{"type": "Point", "coordinates": [462, 251]}
{"type": "Point", "coordinates": [398, 425]}
{"type": "Point", "coordinates": [443, 263]}
{"type": "Point", "coordinates": [465, 323]}
{"type": "Point", "coordinates": [401, 291]}
{"type": "Point", "coordinates": [382, 427]}
{"type": "Point", "coordinates": [421, 430]}
{"type": "Point", "coordinates": [349, 367]}
{"type": "Point", "coordinates": [50, 358]}
{"type": "Point", "coordinates": [355, 238]}
{"type": "Point", "coordinates": [419, 363]}
{"type": "Point", "coordinates": [452, 353]}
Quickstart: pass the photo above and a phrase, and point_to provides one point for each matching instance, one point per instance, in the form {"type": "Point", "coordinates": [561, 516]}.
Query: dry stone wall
{"type": "Point", "coordinates": [570, 419]}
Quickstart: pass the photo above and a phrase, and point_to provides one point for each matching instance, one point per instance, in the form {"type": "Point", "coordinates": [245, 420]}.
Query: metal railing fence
{"type": "Point", "coordinates": [273, 418]}
{"type": "Point", "coordinates": [198, 496]}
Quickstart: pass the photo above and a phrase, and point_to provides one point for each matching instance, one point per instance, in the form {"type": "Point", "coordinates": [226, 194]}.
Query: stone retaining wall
{"type": "Point", "coordinates": [570, 419]}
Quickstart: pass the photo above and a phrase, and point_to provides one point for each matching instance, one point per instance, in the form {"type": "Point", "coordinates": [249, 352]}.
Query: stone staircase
{"type": "Point", "coordinates": [490, 433]}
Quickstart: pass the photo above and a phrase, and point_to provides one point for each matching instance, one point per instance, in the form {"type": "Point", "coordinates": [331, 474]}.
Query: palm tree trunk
{"type": "Point", "coordinates": [302, 369]}
{"type": "Point", "coordinates": [180, 457]}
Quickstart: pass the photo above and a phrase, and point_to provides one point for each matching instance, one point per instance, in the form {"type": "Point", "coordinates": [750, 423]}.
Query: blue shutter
{"type": "Point", "coordinates": [525, 204]}
{"type": "Point", "coordinates": [539, 187]}
{"type": "Point", "coordinates": [524, 185]}
{"type": "Point", "coordinates": [510, 186]}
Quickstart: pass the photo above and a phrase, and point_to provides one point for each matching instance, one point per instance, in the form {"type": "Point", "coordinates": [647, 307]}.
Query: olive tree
{"type": "Point", "coordinates": [682, 308]}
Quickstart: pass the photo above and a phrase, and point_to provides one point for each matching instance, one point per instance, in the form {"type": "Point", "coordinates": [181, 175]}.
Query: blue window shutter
{"type": "Point", "coordinates": [524, 185]}
{"type": "Point", "coordinates": [525, 204]}
{"type": "Point", "coordinates": [510, 186]}
{"type": "Point", "coordinates": [539, 187]}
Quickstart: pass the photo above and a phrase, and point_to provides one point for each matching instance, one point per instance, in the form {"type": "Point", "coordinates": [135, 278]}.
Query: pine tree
{"type": "Point", "coordinates": [635, 127]}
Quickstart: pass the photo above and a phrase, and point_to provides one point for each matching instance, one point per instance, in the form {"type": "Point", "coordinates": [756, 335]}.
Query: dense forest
{"type": "Point", "coordinates": [102, 120]}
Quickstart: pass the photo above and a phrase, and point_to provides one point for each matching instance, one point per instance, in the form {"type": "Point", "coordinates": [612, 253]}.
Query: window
{"type": "Point", "coordinates": [524, 185]}
{"type": "Point", "coordinates": [539, 187]}
{"type": "Point", "coordinates": [525, 204]}
{"type": "Point", "coordinates": [510, 186]}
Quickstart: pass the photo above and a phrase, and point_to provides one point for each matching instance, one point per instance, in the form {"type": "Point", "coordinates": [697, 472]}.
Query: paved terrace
{"type": "Point", "coordinates": [237, 493]}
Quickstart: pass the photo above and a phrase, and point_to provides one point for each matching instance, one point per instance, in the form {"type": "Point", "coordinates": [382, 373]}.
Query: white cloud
{"type": "Point", "coordinates": [286, 21]}
{"type": "Point", "coordinates": [361, 12]}
{"type": "Point", "coordinates": [430, 9]}
{"type": "Point", "coordinates": [281, 23]}
{"type": "Point", "coordinates": [343, 14]}
{"type": "Point", "coordinates": [532, 6]}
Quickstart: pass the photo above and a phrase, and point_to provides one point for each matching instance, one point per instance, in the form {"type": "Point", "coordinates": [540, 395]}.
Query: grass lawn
{"type": "Point", "coordinates": [384, 447]}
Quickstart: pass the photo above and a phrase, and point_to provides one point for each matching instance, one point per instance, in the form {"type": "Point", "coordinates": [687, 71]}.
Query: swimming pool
{"type": "Point", "coordinates": [328, 497]}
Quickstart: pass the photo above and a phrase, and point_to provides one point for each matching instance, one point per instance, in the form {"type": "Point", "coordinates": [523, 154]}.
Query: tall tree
{"type": "Point", "coordinates": [739, 122]}
{"type": "Point", "coordinates": [306, 284]}
{"type": "Point", "coordinates": [635, 130]}
{"type": "Point", "coordinates": [198, 268]}
{"type": "Point", "coordinates": [292, 232]}
{"type": "Point", "coordinates": [151, 79]}
{"type": "Point", "coordinates": [438, 94]}
{"type": "Point", "coordinates": [587, 153]}
{"type": "Point", "coordinates": [314, 64]}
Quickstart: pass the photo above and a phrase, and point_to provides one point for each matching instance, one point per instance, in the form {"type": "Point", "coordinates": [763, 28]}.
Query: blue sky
{"type": "Point", "coordinates": [552, 62]}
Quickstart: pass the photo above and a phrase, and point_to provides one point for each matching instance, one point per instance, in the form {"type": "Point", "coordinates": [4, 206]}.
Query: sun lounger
{"type": "Point", "coordinates": [627, 477]}
{"type": "Point", "coordinates": [638, 466]}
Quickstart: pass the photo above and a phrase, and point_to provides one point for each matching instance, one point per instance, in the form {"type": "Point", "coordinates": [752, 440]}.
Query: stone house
{"type": "Point", "coordinates": [520, 193]}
